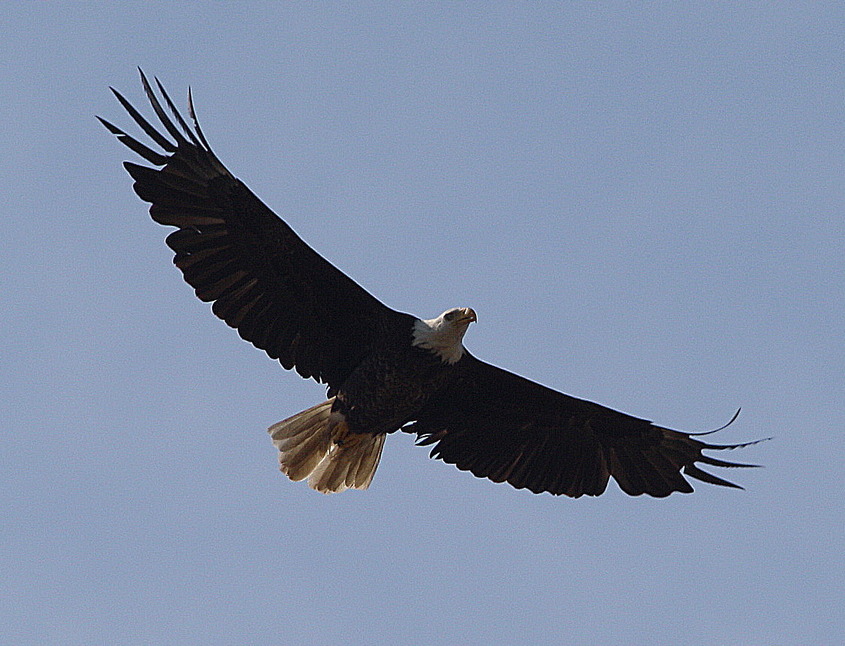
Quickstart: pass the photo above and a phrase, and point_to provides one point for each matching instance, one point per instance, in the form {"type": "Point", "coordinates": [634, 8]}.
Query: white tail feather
{"type": "Point", "coordinates": [316, 444]}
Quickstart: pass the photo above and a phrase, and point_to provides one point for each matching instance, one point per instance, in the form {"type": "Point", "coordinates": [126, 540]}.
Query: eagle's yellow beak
{"type": "Point", "coordinates": [468, 315]}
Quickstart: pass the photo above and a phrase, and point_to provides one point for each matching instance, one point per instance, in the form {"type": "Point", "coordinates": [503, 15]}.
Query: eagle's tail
{"type": "Point", "coordinates": [316, 444]}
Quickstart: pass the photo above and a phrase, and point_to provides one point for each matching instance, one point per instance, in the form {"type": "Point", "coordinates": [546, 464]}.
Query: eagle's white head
{"type": "Point", "coordinates": [443, 335]}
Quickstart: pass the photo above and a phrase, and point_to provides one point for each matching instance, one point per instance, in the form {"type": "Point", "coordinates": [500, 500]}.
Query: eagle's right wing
{"type": "Point", "coordinates": [504, 427]}
{"type": "Point", "coordinates": [234, 251]}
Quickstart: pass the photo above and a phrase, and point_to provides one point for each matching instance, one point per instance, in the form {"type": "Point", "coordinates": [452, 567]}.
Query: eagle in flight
{"type": "Point", "coordinates": [385, 370]}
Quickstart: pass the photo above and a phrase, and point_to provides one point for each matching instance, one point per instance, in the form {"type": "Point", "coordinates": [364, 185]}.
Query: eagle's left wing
{"type": "Point", "coordinates": [504, 427]}
{"type": "Point", "coordinates": [263, 279]}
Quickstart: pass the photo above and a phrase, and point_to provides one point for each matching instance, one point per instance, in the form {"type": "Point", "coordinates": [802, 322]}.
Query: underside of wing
{"type": "Point", "coordinates": [501, 426]}
{"type": "Point", "coordinates": [234, 251]}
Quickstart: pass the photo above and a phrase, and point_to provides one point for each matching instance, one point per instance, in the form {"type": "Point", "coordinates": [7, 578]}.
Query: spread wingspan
{"type": "Point", "coordinates": [286, 299]}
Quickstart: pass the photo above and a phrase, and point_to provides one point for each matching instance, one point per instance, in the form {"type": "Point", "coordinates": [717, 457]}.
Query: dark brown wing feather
{"type": "Point", "coordinates": [504, 427]}
{"type": "Point", "coordinates": [233, 250]}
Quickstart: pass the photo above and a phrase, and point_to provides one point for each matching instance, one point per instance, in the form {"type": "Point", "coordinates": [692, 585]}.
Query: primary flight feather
{"type": "Point", "coordinates": [385, 370]}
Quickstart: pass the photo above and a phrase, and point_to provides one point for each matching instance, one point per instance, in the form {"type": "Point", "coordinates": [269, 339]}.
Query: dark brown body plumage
{"type": "Point", "coordinates": [391, 386]}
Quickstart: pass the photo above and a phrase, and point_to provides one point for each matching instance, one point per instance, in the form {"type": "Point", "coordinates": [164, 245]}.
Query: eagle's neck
{"type": "Point", "coordinates": [441, 338]}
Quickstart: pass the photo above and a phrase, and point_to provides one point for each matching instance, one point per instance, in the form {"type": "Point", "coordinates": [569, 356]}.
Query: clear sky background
{"type": "Point", "coordinates": [644, 204]}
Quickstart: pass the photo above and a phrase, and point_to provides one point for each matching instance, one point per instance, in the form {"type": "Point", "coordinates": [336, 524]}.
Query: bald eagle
{"type": "Point", "coordinates": [384, 370]}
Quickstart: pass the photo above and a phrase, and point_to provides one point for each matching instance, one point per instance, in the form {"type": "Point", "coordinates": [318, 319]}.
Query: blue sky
{"type": "Point", "coordinates": [644, 204]}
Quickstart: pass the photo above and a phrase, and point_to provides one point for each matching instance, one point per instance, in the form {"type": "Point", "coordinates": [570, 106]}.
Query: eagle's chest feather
{"type": "Point", "coordinates": [390, 386]}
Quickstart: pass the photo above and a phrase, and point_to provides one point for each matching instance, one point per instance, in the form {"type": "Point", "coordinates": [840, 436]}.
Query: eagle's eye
{"type": "Point", "coordinates": [450, 315]}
